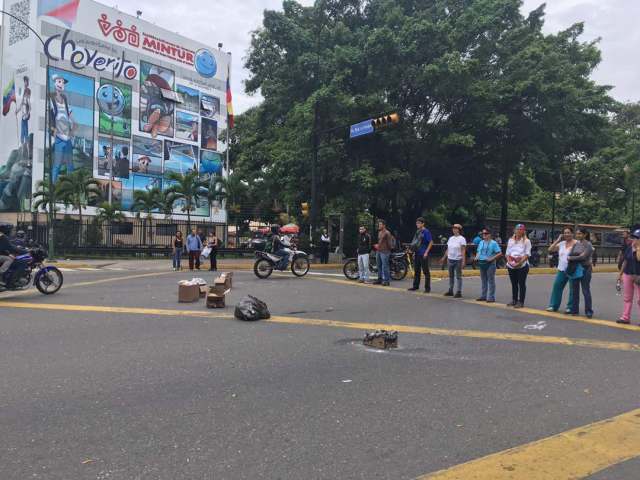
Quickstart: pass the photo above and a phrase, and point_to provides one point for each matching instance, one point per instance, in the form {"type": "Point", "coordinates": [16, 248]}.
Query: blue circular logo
{"type": "Point", "coordinates": [206, 63]}
{"type": "Point", "coordinates": [111, 100]}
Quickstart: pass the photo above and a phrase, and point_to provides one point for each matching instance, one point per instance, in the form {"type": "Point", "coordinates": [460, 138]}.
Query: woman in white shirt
{"type": "Point", "coordinates": [455, 254]}
{"type": "Point", "coordinates": [518, 253]}
{"type": "Point", "coordinates": [563, 245]}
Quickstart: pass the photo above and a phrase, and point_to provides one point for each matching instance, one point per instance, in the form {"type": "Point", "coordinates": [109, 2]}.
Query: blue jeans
{"type": "Point", "coordinates": [62, 155]}
{"type": "Point", "coordinates": [488, 279]}
{"type": "Point", "coordinates": [455, 275]}
{"type": "Point", "coordinates": [382, 259]}
{"type": "Point", "coordinates": [585, 283]}
{"type": "Point", "coordinates": [24, 131]}
{"type": "Point", "coordinates": [177, 258]}
{"type": "Point", "coordinates": [282, 264]}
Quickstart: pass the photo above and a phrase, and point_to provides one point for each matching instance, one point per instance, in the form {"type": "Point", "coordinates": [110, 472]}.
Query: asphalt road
{"type": "Point", "coordinates": [87, 393]}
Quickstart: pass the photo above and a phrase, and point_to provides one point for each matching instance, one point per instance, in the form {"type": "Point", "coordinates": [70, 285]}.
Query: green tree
{"type": "Point", "coordinates": [188, 189]}
{"type": "Point", "coordinates": [148, 201]}
{"type": "Point", "coordinates": [43, 200]}
{"type": "Point", "coordinates": [75, 189]}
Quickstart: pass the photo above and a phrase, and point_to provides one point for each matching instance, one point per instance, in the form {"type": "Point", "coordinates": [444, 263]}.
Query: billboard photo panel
{"type": "Point", "coordinates": [114, 105]}
{"type": "Point", "coordinates": [156, 112]}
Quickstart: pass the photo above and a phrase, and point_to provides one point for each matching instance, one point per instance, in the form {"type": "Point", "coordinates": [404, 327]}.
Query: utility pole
{"type": "Point", "coordinates": [314, 166]}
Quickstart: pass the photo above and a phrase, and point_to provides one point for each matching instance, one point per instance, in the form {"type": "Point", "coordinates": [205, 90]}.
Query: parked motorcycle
{"type": "Point", "coordinates": [266, 263]}
{"type": "Point", "coordinates": [47, 279]}
{"type": "Point", "coordinates": [398, 266]}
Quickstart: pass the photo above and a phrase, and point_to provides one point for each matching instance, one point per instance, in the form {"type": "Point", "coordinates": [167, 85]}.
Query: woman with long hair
{"type": "Point", "coordinates": [630, 276]}
{"type": "Point", "coordinates": [213, 243]}
{"type": "Point", "coordinates": [563, 246]}
{"type": "Point", "coordinates": [518, 253]}
{"type": "Point", "coordinates": [582, 255]}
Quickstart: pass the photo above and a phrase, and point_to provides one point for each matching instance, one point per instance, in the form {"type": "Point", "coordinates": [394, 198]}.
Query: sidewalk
{"type": "Point", "coordinates": [247, 264]}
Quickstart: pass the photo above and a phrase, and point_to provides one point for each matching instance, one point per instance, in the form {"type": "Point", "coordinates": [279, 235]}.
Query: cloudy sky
{"type": "Point", "coordinates": [231, 21]}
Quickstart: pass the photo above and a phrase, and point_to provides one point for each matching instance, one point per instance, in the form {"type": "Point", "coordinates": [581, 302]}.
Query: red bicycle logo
{"type": "Point", "coordinates": [119, 33]}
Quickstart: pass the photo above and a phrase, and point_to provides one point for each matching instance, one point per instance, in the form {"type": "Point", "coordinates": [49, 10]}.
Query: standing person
{"type": "Point", "coordinates": [62, 127]}
{"type": "Point", "coordinates": [203, 241]}
{"type": "Point", "coordinates": [581, 254]}
{"type": "Point", "coordinates": [630, 276]}
{"type": "Point", "coordinates": [626, 241]}
{"type": "Point", "coordinates": [563, 245]}
{"type": "Point", "coordinates": [325, 245]}
{"type": "Point", "coordinates": [487, 253]}
{"type": "Point", "coordinates": [177, 245]}
{"type": "Point", "coordinates": [421, 247]}
{"type": "Point", "coordinates": [25, 110]}
{"type": "Point", "coordinates": [385, 246]}
{"type": "Point", "coordinates": [364, 250]}
{"type": "Point", "coordinates": [455, 255]}
{"type": "Point", "coordinates": [518, 253]}
{"type": "Point", "coordinates": [194, 246]}
{"type": "Point", "coordinates": [213, 244]}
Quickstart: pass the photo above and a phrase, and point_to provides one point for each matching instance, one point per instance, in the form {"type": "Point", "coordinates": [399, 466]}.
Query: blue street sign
{"type": "Point", "coordinates": [360, 129]}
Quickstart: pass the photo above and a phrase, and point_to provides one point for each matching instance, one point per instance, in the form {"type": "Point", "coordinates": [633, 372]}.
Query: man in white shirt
{"type": "Point", "coordinates": [455, 254]}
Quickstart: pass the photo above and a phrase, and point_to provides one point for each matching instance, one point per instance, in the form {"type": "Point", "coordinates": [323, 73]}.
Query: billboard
{"type": "Point", "coordinates": [120, 95]}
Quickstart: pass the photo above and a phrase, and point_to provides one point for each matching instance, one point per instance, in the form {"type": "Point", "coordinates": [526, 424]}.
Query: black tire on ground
{"type": "Point", "coordinates": [300, 266]}
{"type": "Point", "coordinates": [262, 268]}
{"type": "Point", "coordinates": [399, 270]}
{"type": "Point", "coordinates": [50, 281]}
{"type": "Point", "coordinates": [350, 269]}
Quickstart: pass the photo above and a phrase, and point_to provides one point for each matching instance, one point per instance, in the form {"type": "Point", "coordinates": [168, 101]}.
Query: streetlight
{"type": "Point", "coordinates": [52, 202]}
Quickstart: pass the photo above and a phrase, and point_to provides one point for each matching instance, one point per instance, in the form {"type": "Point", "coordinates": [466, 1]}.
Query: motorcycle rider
{"type": "Point", "coordinates": [20, 239]}
{"type": "Point", "coordinates": [281, 246]}
{"type": "Point", "coordinates": [7, 250]}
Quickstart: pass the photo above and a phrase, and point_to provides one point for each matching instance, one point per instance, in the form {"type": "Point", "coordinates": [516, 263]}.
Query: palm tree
{"type": "Point", "coordinates": [232, 188]}
{"type": "Point", "coordinates": [109, 214]}
{"type": "Point", "coordinates": [148, 201]}
{"type": "Point", "coordinates": [75, 189]}
{"type": "Point", "coordinates": [43, 200]}
{"type": "Point", "coordinates": [188, 189]}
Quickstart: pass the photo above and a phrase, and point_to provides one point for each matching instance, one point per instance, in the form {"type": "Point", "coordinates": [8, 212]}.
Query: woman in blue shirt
{"type": "Point", "coordinates": [487, 253]}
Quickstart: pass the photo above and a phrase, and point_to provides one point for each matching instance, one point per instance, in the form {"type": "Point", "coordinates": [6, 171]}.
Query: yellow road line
{"type": "Point", "coordinates": [117, 310]}
{"type": "Point", "coordinates": [477, 334]}
{"type": "Point", "coordinates": [514, 337]}
{"type": "Point", "coordinates": [530, 311]}
{"type": "Point", "coordinates": [571, 455]}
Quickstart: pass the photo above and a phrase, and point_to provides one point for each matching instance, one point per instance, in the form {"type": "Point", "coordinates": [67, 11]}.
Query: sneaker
{"type": "Point", "coordinates": [449, 294]}
{"type": "Point", "coordinates": [481, 299]}
{"type": "Point", "coordinates": [567, 311]}
{"type": "Point", "coordinates": [458, 295]}
{"type": "Point", "coordinates": [412, 289]}
{"type": "Point", "coordinates": [378, 282]}
{"type": "Point", "coordinates": [512, 304]}
{"type": "Point", "coordinates": [519, 305]}
{"type": "Point", "coordinates": [385, 284]}
{"type": "Point", "coordinates": [427, 290]}
{"type": "Point", "coordinates": [491, 301]}
{"type": "Point", "coordinates": [551, 309]}
{"type": "Point", "coordinates": [361, 281]}
{"type": "Point", "coordinates": [589, 314]}
{"type": "Point", "coordinates": [623, 321]}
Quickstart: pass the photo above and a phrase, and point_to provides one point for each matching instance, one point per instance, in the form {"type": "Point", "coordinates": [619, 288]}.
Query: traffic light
{"type": "Point", "coordinates": [385, 121]}
{"type": "Point", "coordinates": [305, 209]}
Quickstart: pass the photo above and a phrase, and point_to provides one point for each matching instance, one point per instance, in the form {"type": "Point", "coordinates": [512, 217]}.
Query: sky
{"type": "Point", "coordinates": [613, 21]}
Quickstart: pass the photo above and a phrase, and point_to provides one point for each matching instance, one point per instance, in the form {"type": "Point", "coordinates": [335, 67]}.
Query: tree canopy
{"type": "Point", "coordinates": [494, 112]}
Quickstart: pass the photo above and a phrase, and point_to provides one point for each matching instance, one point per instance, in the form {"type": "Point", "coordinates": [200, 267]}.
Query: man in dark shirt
{"type": "Point", "coordinates": [421, 246]}
{"type": "Point", "coordinates": [364, 249]}
{"type": "Point", "coordinates": [7, 250]}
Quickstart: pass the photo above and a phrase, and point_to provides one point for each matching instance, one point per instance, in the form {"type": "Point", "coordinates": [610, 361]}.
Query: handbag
{"type": "Point", "coordinates": [576, 272]}
{"type": "Point", "coordinates": [206, 252]}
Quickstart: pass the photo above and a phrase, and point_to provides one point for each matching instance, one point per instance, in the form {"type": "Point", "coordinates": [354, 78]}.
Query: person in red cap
{"type": "Point", "coordinates": [518, 253]}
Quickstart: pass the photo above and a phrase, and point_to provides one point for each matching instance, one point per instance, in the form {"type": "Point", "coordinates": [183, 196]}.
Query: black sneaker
{"type": "Point", "coordinates": [589, 314]}
{"type": "Point", "coordinates": [512, 304]}
{"type": "Point", "coordinates": [378, 282]}
{"type": "Point", "coordinates": [385, 284]}
{"type": "Point", "coordinates": [427, 290]}
{"type": "Point", "coordinates": [458, 295]}
{"type": "Point", "coordinates": [449, 294]}
{"type": "Point", "coordinates": [412, 289]}
{"type": "Point", "coordinates": [481, 299]}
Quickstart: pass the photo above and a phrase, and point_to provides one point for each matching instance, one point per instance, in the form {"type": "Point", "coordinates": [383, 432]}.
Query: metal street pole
{"type": "Point", "coordinates": [52, 199]}
{"type": "Point", "coordinates": [553, 217]}
{"type": "Point", "coordinates": [314, 166]}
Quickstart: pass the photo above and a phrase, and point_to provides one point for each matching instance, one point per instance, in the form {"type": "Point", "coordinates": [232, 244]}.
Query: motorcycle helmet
{"type": "Point", "coordinates": [6, 228]}
{"type": "Point", "coordinates": [636, 234]}
{"type": "Point", "coordinates": [20, 234]}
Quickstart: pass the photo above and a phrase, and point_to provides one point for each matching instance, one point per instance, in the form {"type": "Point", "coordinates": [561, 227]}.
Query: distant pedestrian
{"type": "Point", "coordinates": [456, 257]}
{"type": "Point", "coordinates": [177, 245]}
{"type": "Point", "coordinates": [203, 241]}
{"type": "Point", "coordinates": [213, 243]}
{"type": "Point", "coordinates": [488, 251]}
{"type": "Point", "coordinates": [518, 253]}
{"type": "Point", "coordinates": [364, 250]}
{"type": "Point", "coordinates": [385, 246]}
{"type": "Point", "coordinates": [421, 247]}
{"type": "Point", "coordinates": [626, 241]}
{"type": "Point", "coordinates": [194, 247]}
{"type": "Point", "coordinates": [563, 245]}
{"type": "Point", "coordinates": [325, 245]}
{"type": "Point", "coordinates": [630, 276]}
{"type": "Point", "coordinates": [581, 257]}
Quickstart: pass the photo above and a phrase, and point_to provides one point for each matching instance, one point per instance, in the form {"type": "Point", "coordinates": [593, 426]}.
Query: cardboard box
{"type": "Point", "coordinates": [215, 301]}
{"type": "Point", "coordinates": [228, 279]}
{"type": "Point", "coordinates": [218, 288]}
{"type": "Point", "coordinates": [203, 291]}
{"type": "Point", "coordinates": [188, 293]}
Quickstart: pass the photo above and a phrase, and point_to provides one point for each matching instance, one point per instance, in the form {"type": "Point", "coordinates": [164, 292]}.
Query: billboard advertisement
{"type": "Point", "coordinates": [107, 93]}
